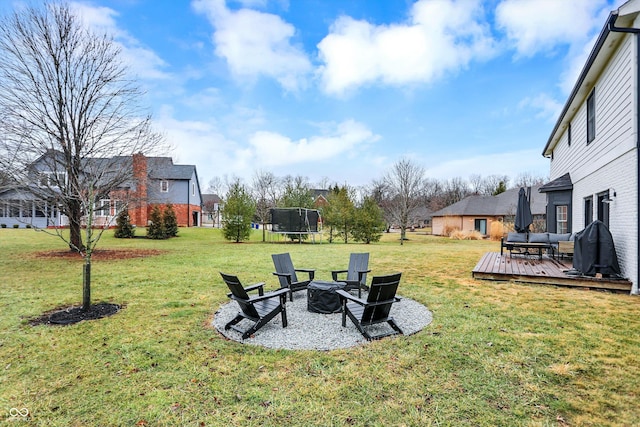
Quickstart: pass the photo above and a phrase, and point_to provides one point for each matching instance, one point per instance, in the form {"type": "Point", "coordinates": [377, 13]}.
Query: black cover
{"type": "Point", "coordinates": [294, 220]}
{"type": "Point", "coordinates": [322, 297]}
{"type": "Point", "coordinates": [594, 251]}
{"type": "Point", "coordinates": [523, 213]}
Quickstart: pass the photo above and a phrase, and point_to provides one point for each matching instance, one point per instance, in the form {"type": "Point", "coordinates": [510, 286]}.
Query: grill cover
{"type": "Point", "coordinates": [594, 251]}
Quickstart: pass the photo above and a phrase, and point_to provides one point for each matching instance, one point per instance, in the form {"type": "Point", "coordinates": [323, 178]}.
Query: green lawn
{"type": "Point", "coordinates": [496, 353]}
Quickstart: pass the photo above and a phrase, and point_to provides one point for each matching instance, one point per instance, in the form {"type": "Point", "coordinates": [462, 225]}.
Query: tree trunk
{"type": "Point", "coordinates": [86, 285]}
{"type": "Point", "coordinates": [75, 227]}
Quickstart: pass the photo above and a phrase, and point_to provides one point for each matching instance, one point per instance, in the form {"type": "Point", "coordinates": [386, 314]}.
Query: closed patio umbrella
{"type": "Point", "coordinates": [523, 213]}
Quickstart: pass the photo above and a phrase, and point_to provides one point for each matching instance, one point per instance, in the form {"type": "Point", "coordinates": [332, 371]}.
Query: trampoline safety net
{"type": "Point", "coordinates": [294, 220]}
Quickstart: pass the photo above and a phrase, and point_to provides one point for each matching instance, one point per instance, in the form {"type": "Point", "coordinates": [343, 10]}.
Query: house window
{"type": "Point", "coordinates": [40, 210]}
{"type": "Point", "coordinates": [164, 186]}
{"type": "Point", "coordinates": [120, 206]}
{"type": "Point", "coordinates": [52, 179]}
{"type": "Point", "coordinates": [591, 116]}
{"type": "Point", "coordinates": [481, 225]}
{"type": "Point", "coordinates": [569, 135]}
{"type": "Point", "coordinates": [588, 210]}
{"type": "Point", "coordinates": [562, 218]}
{"type": "Point", "coordinates": [603, 207]}
{"type": "Point", "coordinates": [103, 207]}
{"type": "Point", "coordinates": [193, 189]}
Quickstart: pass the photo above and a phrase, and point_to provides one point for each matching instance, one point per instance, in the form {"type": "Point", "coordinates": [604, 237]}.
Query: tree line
{"type": "Point", "coordinates": [403, 197]}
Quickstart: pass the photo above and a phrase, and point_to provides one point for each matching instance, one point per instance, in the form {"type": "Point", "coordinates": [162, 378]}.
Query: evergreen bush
{"type": "Point", "coordinates": [170, 221]}
{"type": "Point", "coordinates": [124, 229]}
{"type": "Point", "coordinates": [156, 228]}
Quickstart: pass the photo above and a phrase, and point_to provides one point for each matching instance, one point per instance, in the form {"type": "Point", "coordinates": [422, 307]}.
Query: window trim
{"type": "Point", "coordinates": [588, 210]}
{"type": "Point", "coordinates": [562, 229]}
{"type": "Point", "coordinates": [591, 116]}
{"type": "Point", "coordinates": [164, 186]}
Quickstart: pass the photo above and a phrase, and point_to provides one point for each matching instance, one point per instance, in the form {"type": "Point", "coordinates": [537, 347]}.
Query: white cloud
{"type": "Point", "coordinates": [255, 43]}
{"type": "Point", "coordinates": [143, 61]}
{"type": "Point", "coordinates": [273, 149]}
{"type": "Point", "coordinates": [511, 163]}
{"type": "Point", "coordinates": [547, 107]}
{"type": "Point", "coordinates": [441, 36]}
{"type": "Point", "coordinates": [234, 153]}
{"type": "Point", "coordinates": [534, 26]}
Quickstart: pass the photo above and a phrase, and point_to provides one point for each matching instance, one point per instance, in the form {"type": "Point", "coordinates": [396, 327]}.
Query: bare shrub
{"type": "Point", "coordinates": [497, 230]}
{"type": "Point", "coordinates": [466, 235]}
{"type": "Point", "coordinates": [449, 229]}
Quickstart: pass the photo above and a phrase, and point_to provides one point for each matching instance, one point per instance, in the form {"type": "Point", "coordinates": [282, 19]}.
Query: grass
{"type": "Point", "coordinates": [496, 354]}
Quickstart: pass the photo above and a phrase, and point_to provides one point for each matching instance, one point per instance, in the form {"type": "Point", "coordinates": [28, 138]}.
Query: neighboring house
{"type": "Point", "coordinates": [211, 210]}
{"type": "Point", "coordinates": [156, 181]}
{"type": "Point", "coordinates": [593, 148]}
{"type": "Point", "coordinates": [320, 198]}
{"type": "Point", "coordinates": [479, 212]}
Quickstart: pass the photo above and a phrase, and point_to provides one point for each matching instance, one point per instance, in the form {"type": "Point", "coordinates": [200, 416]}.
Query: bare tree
{"type": "Point", "coordinates": [528, 179]}
{"type": "Point", "coordinates": [265, 194]}
{"type": "Point", "coordinates": [69, 113]}
{"type": "Point", "coordinates": [218, 186]}
{"type": "Point", "coordinates": [494, 183]}
{"type": "Point", "coordinates": [405, 184]}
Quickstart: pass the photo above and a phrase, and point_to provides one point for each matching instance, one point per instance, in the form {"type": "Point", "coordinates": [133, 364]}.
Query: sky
{"type": "Point", "coordinates": [339, 90]}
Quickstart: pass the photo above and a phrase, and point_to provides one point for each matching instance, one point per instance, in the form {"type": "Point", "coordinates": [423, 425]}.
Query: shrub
{"type": "Point", "coordinates": [466, 235]}
{"type": "Point", "coordinates": [156, 228]}
{"type": "Point", "coordinates": [3, 225]}
{"type": "Point", "coordinates": [170, 221]}
{"type": "Point", "coordinates": [449, 229]}
{"type": "Point", "coordinates": [28, 226]}
{"type": "Point", "coordinates": [124, 229]}
{"type": "Point", "coordinates": [16, 225]}
{"type": "Point", "coordinates": [497, 230]}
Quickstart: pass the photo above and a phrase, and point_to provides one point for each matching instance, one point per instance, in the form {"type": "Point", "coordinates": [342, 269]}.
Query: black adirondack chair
{"type": "Point", "coordinates": [287, 274]}
{"type": "Point", "coordinates": [356, 273]}
{"type": "Point", "coordinates": [375, 310]}
{"type": "Point", "coordinates": [259, 309]}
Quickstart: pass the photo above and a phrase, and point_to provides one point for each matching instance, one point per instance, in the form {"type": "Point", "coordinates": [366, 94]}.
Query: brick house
{"type": "Point", "coordinates": [477, 212]}
{"type": "Point", "coordinates": [153, 181]}
{"type": "Point", "coordinates": [593, 147]}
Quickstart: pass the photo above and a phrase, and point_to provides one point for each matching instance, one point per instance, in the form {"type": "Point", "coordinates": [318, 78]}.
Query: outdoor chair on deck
{"type": "Point", "coordinates": [259, 309]}
{"type": "Point", "coordinates": [287, 274]}
{"type": "Point", "coordinates": [375, 310]}
{"type": "Point", "coordinates": [356, 272]}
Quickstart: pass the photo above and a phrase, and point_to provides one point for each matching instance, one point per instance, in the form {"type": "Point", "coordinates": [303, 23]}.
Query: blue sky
{"type": "Point", "coordinates": [343, 89]}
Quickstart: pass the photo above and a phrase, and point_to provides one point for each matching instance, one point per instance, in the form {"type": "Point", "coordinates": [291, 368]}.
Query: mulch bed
{"type": "Point", "coordinates": [75, 314]}
{"type": "Point", "coordinates": [101, 254]}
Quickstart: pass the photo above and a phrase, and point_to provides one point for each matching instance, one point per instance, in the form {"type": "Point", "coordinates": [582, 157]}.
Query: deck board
{"type": "Point", "coordinates": [530, 269]}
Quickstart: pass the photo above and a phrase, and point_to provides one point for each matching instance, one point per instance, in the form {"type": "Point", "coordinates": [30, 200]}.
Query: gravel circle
{"type": "Point", "coordinates": [314, 331]}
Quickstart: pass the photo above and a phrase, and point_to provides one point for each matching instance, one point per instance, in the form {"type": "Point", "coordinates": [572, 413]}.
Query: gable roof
{"type": "Point", "coordinates": [501, 205]}
{"type": "Point", "coordinates": [605, 46]}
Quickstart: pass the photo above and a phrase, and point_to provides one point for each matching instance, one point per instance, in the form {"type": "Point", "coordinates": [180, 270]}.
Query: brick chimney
{"type": "Point", "coordinates": [139, 211]}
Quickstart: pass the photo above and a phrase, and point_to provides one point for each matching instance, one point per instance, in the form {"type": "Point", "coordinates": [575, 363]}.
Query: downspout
{"type": "Point", "coordinates": [636, 31]}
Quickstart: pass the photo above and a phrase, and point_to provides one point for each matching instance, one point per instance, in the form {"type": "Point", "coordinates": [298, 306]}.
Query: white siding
{"type": "Point", "coordinates": [623, 211]}
{"type": "Point", "coordinates": [609, 162]}
{"type": "Point", "coordinates": [615, 133]}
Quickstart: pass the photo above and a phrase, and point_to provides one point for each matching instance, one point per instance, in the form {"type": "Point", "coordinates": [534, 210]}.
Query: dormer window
{"type": "Point", "coordinates": [164, 186]}
{"type": "Point", "coordinates": [51, 179]}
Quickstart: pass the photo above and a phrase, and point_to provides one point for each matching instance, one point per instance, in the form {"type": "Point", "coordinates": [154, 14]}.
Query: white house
{"type": "Point", "coordinates": [594, 145]}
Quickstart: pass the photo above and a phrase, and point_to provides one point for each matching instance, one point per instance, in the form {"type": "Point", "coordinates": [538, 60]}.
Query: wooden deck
{"type": "Point", "coordinates": [548, 271]}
